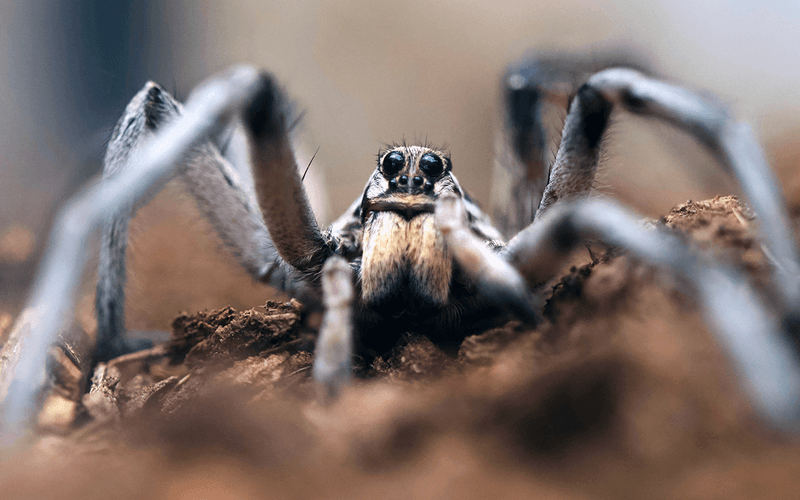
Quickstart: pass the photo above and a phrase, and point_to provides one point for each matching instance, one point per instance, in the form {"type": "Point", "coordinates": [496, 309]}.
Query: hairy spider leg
{"type": "Point", "coordinates": [758, 343]}
{"type": "Point", "coordinates": [537, 90]}
{"type": "Point", "coordinates": [333, 355]}
{"type": "Point", "coordinates": [224, 196]}
{"type": "Point", "coordinates": [22, 360]}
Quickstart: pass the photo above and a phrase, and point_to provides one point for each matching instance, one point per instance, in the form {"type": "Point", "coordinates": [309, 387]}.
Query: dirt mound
{"type": "Point", "coordinates": [622, 392]}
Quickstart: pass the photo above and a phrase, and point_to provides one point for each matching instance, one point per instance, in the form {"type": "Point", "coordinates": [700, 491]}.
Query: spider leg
{"type": "Point", "coordinates": [233, 144]}
{"type": "Point", "coordinates": [731, 142]}
{"type": "Point", "coordinates": [745, 327]}
{"type": "Point", "coordinates": [494, 276]}
{"type": "Point", "coordinates": [756, 342]}
{"type": "Point", "coordinates": [22, 360]}
{"type": "Point", "coordinates": [537, 90]}
{"type": "Point", "coordinates": [283, 200]}
{"type": "Point", "coordinates": [225, 195]}
{"type": "Point", "coordinates": [531, 88]}
{"type": "Point", "coordinates": [573, 172]}
{"type": "Point", "coordinates": [334, 350]}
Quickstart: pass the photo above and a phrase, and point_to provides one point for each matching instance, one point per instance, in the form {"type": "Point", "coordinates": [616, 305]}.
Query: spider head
{"type": "Point", "coordinates": [405, 268]}
{"type": "Point", "coordinates": [413, 169]}
{"type": "Point", "coordinates": [408, 180]}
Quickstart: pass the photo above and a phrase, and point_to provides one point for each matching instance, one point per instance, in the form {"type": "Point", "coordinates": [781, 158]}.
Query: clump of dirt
{"type": "Point", "coordinates": [621, 392]}
{"type": "Point", "coordinates": [483, 349]}
{"type": "Point", "coordinates": [224, 336]}
{"type": "Point", "coordinates": [722, 226]}
{"type": "Point", "coordinates": [259, 352]}
{"type": "Point", "coordinates": [415, 358]}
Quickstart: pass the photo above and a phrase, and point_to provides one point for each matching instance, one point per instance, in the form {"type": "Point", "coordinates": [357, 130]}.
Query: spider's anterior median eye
{"type": "Point", "coordinates": [393, 163]}
{"type": "Point", "coordinates": [431, 165]}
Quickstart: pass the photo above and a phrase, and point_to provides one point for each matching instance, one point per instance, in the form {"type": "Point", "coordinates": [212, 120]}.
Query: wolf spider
{"type": "Point", "coordinates": [413, 252]}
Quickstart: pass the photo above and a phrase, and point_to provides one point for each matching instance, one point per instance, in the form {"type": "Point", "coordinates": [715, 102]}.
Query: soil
{"type": "Point", "coordinates": [621, 393]}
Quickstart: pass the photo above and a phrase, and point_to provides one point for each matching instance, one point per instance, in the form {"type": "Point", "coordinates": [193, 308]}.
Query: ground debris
{"type": "Point", "coordinates": [723, 226]}
{"type": "Point", "coordinates": [259, 351]}
{"type": "Point", "coordinates": [415, 358]}
{"type": "Point", "coordinates": [622, 392]}
{"type": "Point", "coordinates": [224, 336]}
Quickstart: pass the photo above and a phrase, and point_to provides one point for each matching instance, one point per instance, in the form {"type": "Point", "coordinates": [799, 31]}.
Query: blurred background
{"type": "Point", "coordinates": [367, 74]}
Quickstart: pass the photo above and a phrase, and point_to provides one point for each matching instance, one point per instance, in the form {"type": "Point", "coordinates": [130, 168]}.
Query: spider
{"type": "Point", "coordinates": [413, 252]}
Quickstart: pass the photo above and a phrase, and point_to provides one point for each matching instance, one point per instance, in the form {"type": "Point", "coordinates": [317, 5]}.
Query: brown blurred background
{"type": "Point", "coordinates": [367, 73]}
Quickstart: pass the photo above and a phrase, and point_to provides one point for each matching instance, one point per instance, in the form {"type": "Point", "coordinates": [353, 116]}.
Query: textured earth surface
{"type": "Point", "coordinates": [621, 393]}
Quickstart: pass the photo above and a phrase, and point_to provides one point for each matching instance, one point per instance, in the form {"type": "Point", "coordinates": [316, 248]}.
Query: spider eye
{"type": "Point", "coordinates": [431, 165]}
{"type": "Point", "coordinates": [393, 163]}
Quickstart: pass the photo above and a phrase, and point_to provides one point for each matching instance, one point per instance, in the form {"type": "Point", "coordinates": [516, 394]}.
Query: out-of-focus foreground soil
{"type": "Point", "coordinates": [621, 393]}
